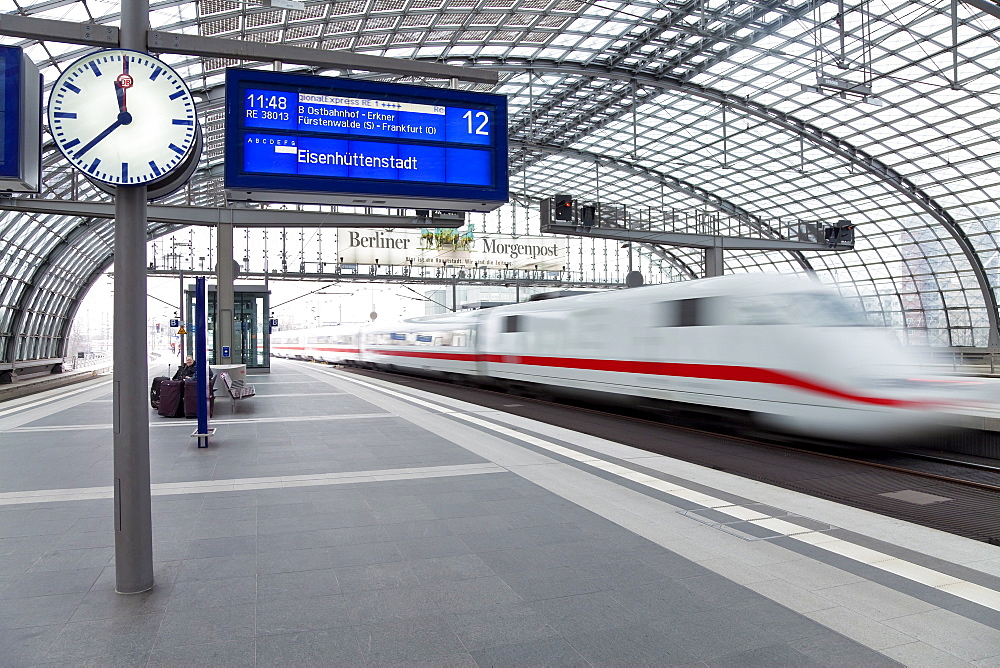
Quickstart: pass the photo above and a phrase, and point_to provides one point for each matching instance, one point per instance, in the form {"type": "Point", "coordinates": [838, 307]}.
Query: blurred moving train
{"type": "Point", "coordinates": [791, 354]}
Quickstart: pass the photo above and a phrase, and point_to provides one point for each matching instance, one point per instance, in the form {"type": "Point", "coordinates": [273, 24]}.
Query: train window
{"type": "Point", "coordinates": [511, 324]}
{"type": "Point", "coordinates": [761, 310]}
{"type": "Point", "coordinates": [801, 308]}
{"type": "Point", "coordinates": [824, 310]}
{"type": "Point", "coordinates": [690, 312]}
{"type": "Point", "coordinates": [684, 313]}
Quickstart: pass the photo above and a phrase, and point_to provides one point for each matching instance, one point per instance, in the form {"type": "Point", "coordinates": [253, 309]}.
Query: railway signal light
{"type": "Point", "coordinates": [841, 234]}
{"type": "Point", "coordinates": [564, 207]}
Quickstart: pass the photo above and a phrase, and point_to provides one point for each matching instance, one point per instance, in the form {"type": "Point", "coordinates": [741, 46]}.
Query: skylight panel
{"type": "Point", "coordinates": [583, 25]}
{"type": "Point", "coordinates": [612, 28]}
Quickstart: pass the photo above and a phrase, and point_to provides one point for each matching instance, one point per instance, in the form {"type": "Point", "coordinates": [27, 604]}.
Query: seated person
{"type": "Point", "coordinates": [187, 370]}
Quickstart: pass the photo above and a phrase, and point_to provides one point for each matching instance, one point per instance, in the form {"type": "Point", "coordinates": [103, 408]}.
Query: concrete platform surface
{"type": "Point", "coordinates": [338, 520]}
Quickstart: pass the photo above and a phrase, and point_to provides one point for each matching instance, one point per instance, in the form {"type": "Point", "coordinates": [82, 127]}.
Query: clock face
{"type": "Point", "coordinates": [122, 117]}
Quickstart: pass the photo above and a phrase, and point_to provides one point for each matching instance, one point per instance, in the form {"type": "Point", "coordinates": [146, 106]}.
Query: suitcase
{"type": "Point", "coordinates": [171, 398]}
{"type": "Point", "coordinates": [191, 399]}
{"type": "Point", "coordinates": [154, 391]}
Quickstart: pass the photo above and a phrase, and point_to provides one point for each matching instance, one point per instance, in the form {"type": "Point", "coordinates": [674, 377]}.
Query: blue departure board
{"type": "Point", "coordinates": [20, 118]}
{"type": "Point", "coordinates": [306, 138]}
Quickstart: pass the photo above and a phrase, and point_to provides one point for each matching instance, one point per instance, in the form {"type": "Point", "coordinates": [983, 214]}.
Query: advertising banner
{"type": "Point", "coordinates": [437, 247]}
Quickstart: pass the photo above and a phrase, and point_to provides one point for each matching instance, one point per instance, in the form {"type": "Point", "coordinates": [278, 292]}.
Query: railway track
{"type": "Point", "coordinates": [956, 495]}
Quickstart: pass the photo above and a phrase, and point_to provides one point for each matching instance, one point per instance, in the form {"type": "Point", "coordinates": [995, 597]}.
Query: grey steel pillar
{"type": "Point", "coordinates": [133, 519]}
{"type": "Point", "coordinates": [183, 337]}
{"type": "Point", "coordinates": [224, 292]}
{"type": "Point", "coordinates": [713, 261]}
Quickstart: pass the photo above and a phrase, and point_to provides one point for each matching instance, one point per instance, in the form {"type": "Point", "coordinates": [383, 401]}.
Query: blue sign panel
{"type": "Point", "coordinates": [226, 350]}
{"type": "Point", "coordinates": [175, 322]}
{"type": "Point", "coordinates": [10, 105]}
{"type": "Point", "coordinates": [304, 138]}
{"type": "Point", "coordinates": [20, 114]}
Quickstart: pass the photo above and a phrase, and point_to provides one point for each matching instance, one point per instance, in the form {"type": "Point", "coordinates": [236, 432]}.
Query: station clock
{"type": "Point", "coordinates": [124, 118]}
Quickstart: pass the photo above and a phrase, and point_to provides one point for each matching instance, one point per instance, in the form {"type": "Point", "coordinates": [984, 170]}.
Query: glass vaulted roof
{"type": "Point", "coordinates": [880, 112]}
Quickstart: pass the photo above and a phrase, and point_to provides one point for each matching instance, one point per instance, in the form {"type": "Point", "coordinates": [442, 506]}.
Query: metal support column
{"type": "Point", "coordinates": [183, 337]}
{"type": "Point", "coordinates": [224, 292]}
{"type": "Point", "coordinates": [203, 433]}
{"type": "Point", "coordinates": [133, 518]}
{"type": "Point", "coordinates": [713, 261]}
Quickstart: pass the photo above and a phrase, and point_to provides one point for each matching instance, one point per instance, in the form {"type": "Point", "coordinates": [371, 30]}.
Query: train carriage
{"type": "Point", "coordinates": [790, 353]}
{"type": "Point", "coordinates": [438, 345]}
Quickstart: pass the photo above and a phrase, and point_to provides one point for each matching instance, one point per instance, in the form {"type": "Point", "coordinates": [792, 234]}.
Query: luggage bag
{"type": "Point", "coordinates": [191, 399]}
{"type": "Point", "coordinates": [171, 398]}
{"type": "Point", "coordinates": [154, 391]}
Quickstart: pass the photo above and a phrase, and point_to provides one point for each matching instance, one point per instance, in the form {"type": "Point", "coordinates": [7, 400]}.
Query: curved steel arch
{"type": "Point", "coordinates": [86, 228]}
{"type": "Point", "coordinates": [83, 229]}
{"type": "Point", "coordinates": [677, 185]}
{"type": "Point", "coordinates": [74, 308]}
{"type": "Point", "coordinates": [818, 137]}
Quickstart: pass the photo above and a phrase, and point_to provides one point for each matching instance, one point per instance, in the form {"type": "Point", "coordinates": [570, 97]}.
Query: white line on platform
{"type": "Point", "coordinates": [48, 400]}
{"type": "Point", "coordinates": [302, 394]}
{"type": "Point", "coordinates": [244, 484]}
{"type": "Point", "coordinates": [970, 591]}
{"type": "Point", "coordinates": [184, 423]}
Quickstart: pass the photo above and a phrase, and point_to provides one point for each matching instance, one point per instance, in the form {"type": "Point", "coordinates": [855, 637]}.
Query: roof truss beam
{"type": "Point", "coordinates": [92, 34]}
{"type": "Point", "coordinates": [184, 216]}
{"type": "Point", "coordinates": [676, 185]}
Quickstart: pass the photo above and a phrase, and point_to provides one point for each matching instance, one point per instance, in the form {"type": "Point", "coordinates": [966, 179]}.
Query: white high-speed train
{"type": "Point", "coordinates": [789, 353]}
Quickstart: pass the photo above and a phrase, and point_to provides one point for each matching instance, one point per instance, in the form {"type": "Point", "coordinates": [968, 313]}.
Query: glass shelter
{"type": "Point", "coordinates": [251, 333]}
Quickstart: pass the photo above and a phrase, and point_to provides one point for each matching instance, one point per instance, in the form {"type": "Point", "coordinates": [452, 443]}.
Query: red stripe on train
{"type": "Point", "coordinates": [674, 369]}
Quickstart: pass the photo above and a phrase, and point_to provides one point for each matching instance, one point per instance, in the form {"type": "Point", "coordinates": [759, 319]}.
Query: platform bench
{"type": "Point", "coordinates": [237, 388]}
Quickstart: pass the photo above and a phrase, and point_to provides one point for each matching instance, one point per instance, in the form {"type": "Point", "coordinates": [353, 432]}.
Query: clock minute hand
{"type": "Point", "coordinates": [93, 142]}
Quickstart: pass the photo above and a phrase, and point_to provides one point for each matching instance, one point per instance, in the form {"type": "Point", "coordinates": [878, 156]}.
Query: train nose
{"type": "Point", "coordinates": [934, 390]}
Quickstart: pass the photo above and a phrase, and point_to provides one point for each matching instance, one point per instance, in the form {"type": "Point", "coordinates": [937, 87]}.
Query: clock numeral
{"type": "Point", "coordinates": [124, 172]}
{"type": "Point", "coordinates": [176, 95]}
{"type": "Point", "coordinates": [156, 73]}
{"type": "Point", "coordinates": [93, 66]}
{"type": "Point", "coordinates": [93, 165]}
{"type": "Point", "coordinates": [64, 114]}
{"type": "Point", "coordinates": [71, 87]}
{"type": "Point", "coordinates": [156, 170]}
{"type": "Point", "coordinates": [71, 144]}
{"type": "Point", "coordinates": [180, 121]}
{"type": "Point", "coordinates": [178, 149]}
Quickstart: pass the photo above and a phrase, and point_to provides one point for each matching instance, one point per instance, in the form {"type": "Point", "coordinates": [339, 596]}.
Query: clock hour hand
{"type": "Point", "coordinates": [120, 92]}
{"type": "Point", "coordinates": [124, 118]}
{"type": "Point", "coordinates": [123, 78]}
